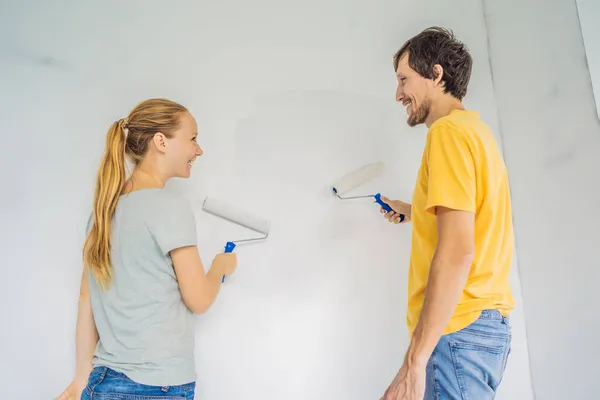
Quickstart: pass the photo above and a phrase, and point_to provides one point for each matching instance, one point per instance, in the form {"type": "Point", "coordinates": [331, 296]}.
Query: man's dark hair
{"type": "Point", "coordinates": [438, 45]}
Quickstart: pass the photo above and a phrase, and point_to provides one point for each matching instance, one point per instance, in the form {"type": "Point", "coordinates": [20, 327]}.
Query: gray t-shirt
{"type": "Point", "coordinates": [145, 329]}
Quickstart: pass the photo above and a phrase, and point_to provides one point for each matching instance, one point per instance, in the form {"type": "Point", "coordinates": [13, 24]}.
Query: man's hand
{"type": "Point", "coordinates": [409, 384]}
{"type": "Point", "coordinates": [398, 207]}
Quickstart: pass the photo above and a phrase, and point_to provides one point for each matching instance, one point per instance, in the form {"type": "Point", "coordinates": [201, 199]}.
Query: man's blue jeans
{"type": "Point", "coordinates": [469, 364]}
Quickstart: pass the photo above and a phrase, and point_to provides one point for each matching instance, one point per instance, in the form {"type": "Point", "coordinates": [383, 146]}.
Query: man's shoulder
{"type": "Point", "coordinates": [459, 120]}
{"type": "Point", "coordinates": [466, 125]}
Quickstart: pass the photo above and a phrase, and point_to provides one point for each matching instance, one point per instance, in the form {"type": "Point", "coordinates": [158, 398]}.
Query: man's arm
{"type": "Point", "coordinates": [447, 278]}
{"type": "Point", "coordinates": [451, 197]}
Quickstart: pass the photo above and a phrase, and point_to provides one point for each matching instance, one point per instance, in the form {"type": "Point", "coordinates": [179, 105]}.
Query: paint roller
{"type": "Point", "coordinates": [357, 178]}
{"type": "Point", "coordinates": [238, 216]}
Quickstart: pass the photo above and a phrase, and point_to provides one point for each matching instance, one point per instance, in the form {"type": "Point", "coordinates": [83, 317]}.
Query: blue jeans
{"type": "Point", "coordinates": [106, 384]}
{"type": "Point", "coordinates": [469, 364]}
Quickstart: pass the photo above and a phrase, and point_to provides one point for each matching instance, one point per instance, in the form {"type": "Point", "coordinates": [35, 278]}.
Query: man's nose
{"type": "Point", "coordinates": [399, 94]}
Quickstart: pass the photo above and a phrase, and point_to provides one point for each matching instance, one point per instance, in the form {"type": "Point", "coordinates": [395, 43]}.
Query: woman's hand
{"type": "Point", "coordinates": [73, 391]}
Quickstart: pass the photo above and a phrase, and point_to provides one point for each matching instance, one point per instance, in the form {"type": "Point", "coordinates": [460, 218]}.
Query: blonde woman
{"type": "Point", "coordinates": [143, 279]}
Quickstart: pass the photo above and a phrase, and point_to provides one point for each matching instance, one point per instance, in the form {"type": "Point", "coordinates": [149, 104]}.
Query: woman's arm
{"type": "Point", "coordinates": [198, 288]}
{"type": "Point", "coordinates": [86, 336]}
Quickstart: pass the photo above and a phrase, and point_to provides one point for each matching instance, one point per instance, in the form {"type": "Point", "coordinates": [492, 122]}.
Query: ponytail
{"type": "Point", "coordinates": [109, 186]}
{"type": "Point", "coordinates": [146, 120]}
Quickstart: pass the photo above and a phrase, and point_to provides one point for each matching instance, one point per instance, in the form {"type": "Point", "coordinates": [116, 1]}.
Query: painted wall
{"type": "Point", "coordinates": [551, 138]}
{"type": "Point", "coordinates": [288, 96]}
{"type": "Point", "coordinates": [588, 13]}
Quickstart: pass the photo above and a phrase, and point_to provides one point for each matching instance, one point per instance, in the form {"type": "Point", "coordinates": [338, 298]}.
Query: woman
{"type": "Point", "coordinates": [143, 279]}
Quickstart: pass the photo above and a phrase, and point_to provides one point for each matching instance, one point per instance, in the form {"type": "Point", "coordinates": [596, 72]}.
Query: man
{"type": "Point", "coordinates": [459, 295]}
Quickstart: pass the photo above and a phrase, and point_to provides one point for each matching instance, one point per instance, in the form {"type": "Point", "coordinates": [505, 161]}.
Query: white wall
{"type": "Point", "coordinates": [588, 13]}
{"type": "Point", "coordinates": [551, 138]}
{"type": "Point", "coordinates": [287, 100]}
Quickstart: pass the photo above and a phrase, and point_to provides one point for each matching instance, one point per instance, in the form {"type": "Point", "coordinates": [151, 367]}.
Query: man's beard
{"type": "Point", "coordinates": [418, 116]}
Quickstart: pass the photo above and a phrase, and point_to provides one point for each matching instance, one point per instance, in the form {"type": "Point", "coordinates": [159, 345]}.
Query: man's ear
{"type": "Point", "coordinates": [438, 73]}
{"type": "Point", "coordinates": [160, 141]}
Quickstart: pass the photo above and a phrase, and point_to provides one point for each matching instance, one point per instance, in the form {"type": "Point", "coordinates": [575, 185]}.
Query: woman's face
{"type": "Point", "coordinates": [183, 148]}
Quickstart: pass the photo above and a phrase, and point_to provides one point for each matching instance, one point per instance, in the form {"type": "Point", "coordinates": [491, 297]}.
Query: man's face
{"type": "Point", "coordinates": [412, 92]}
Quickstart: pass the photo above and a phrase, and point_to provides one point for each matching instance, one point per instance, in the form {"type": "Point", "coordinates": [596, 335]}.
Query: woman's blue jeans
{"type": "Point", "coordinates": [106, 384]}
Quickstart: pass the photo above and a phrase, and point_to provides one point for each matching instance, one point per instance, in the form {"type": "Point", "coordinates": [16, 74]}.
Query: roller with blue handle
{"type": "Point", "coordinates": [229, 246]}
{"type": "Point", "coordinates": [240, 217]}
{"type": "Point", "coordinates": [357, 178]}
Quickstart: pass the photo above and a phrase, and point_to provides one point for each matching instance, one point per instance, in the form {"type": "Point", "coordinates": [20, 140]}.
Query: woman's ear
{"type": "Point", "coordinates": [160, 141]}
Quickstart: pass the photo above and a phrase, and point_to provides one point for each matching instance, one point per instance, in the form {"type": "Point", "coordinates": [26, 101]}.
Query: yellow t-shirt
{"type": "Point", "coordinates": [462, 168]}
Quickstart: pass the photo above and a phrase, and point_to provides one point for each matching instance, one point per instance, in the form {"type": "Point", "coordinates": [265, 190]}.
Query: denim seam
{"type": "Point", "coordinates": [145, 397]}
{"type": "Point", "coordinates": [459, 372]}
{"type": "Point", "coordinates": [102, 376]}
{"type": "Point", "coordinates": [505, 362]}
{"type": "Point", "coordinates": [436, 384]}
{"type": "Point", "coordinates": [485, 334]}
{"type": "Point", "coordinates": [478, 347]}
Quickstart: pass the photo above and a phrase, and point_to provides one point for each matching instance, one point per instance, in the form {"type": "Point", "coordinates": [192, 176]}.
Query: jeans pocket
{"type": "Point", "coordinates": [479, 367]}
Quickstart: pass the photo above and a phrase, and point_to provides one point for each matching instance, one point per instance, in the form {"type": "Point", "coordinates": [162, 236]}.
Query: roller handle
{"type": "Point", "coordinates": [228, 249]}
{"type": "Point", "coordinates": [385, 206]}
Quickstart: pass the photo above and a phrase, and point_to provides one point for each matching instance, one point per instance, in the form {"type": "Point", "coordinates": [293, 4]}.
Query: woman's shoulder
{"type": "Point", "coordinates": [162, 204]}
{"type": "Point", "coordinates": [151, 196]}
{"type": "Point", "coordinates": [153, 207]}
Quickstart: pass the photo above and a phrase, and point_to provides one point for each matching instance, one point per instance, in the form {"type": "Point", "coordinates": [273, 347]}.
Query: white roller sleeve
{"type": "Point", "coordinates": [235, 215]}
{"type": "Point", "coordinates": [358, 177]}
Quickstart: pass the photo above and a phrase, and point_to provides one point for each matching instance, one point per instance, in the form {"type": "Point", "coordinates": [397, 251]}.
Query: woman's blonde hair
{"type": "Point", "coordinates": [131, 137]}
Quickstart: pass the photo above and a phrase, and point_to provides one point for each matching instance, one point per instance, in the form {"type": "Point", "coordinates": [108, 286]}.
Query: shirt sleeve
{"type": "Point", "coordinates": [175, 225]}
{"type": "Point", "coordinates": [451, 167]}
